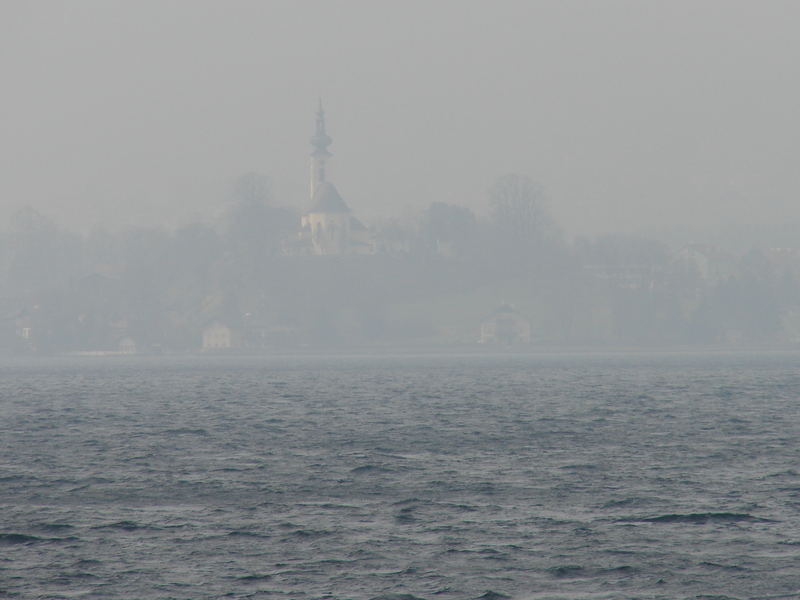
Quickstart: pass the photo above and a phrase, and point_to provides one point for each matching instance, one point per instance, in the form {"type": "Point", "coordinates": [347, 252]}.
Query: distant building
{"type": "Point", "coordinates": [632, 277]}
{"type": "Point", "coordinates": [127, 346]}
{"type": "Point", "coordinates": [391, 239]}
{"type": "Point", "coordinates": [790, 325]}
{"type": "Point", "coordinates": [24, 327]}
{"type": "Point", "coordinates": [219, 337]}
{"type": "Point", "coordinates": [784, 260]}
{"type": "Point", "coordinates": [505, 326]}
{"type": "Point", "coordinates": [267, 331]}
{"type": "Point", "coordinates": [26, 333]}
{"type": "Point", "coordinates": [710, 263]}
{"type": "Point", "coordinates": [329, 227]}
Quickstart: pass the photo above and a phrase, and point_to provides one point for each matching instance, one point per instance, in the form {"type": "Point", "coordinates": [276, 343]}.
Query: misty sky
{"type": "Point", "coordinates": [632, 114]}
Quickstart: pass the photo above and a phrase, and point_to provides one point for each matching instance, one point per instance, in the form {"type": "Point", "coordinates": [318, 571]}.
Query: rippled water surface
{"type": "Point", "coordinates": [656, 476]}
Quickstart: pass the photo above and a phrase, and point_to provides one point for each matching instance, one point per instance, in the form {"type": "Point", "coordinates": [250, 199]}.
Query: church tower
{"type": "Point", "coordinates": [329, 220]}
{"type": "Point", "coordinates": [320, 142]}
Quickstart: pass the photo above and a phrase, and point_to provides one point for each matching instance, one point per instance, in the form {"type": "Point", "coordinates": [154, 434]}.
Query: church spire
{"type": "Point", "coordinates": [319, 142]}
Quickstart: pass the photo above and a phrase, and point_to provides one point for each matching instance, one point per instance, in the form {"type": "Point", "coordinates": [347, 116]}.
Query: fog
{"type": "Point", "coordinates": [613, 173]}
{"type": "Point", "coordinates": [634, 115]}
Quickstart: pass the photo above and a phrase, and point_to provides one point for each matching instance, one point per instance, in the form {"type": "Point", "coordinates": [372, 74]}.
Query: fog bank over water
{"type": "Point", "coordinates": [633, 116]}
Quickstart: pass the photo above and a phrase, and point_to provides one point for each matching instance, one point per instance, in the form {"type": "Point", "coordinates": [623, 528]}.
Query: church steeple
{"type": "Point", "coordinates": [320, 142]}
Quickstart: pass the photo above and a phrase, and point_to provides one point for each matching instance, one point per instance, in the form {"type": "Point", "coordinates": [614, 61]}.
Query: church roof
{"type": "Point", "coordinates": [327, 200]}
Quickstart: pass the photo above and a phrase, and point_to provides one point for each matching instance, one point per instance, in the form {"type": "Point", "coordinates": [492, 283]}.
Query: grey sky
{"type": "Point", "coordinates": [631, 114]}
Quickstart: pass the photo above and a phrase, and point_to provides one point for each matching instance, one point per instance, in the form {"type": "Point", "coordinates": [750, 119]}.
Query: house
{"type": "Point", "coordinates": [505, 326]}
{"type": "Point", "coordinates": [127, 346]}
{"type": "Point", "coordinates": [219, 337]}
{"type": "Point", "coordinates": [24, 327]}
{"type": "Point", "coordinates": [710, 263]}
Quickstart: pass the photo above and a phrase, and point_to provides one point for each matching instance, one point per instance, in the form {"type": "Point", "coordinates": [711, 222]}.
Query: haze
{"type": "Point", "coordinates": [634, 116]}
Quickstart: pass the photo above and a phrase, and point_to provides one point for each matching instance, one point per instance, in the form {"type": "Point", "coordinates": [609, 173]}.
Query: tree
{"type": "Point", "coordinates": [41, 254]}
{"type": "Point", "coordinates": [521, 230]}
{"type": "Point", "coordinates": [448, 229]}
{"type": "Point", "coordinates": [255, 228]}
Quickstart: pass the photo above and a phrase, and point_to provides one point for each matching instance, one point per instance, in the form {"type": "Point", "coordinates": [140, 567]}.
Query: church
{"type": "Point", "coordinates": [329, 227]}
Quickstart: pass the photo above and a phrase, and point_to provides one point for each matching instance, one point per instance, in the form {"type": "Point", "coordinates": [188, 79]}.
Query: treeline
{"type": "Point", "coordinates": [427, 281]}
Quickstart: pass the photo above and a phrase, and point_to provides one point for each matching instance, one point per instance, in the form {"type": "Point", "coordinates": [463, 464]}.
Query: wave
{"type": "Point", "coordinates": [567, 571]}
{"type": "Point", "coordinates": [254, 578]}
{"type": "Point", "coordinates": [406, 515]}
{"type": "Point", "coordinates": [407, 501]}
{"type": "Point", "coordinates": [12, 539]}
{"type": "Point", "coordinates": [491, 595]}
{"type": "Point", "coordinates": [124, 526]}
{"type": "Point", "coordinates": [87, 562]}
{"type": "Point", "coordinates": [577, 571]}
{"type": "Point", "coordinates": [460, 507]}
{"type": "Point", "coordinates": [253, 534]}
{"type": "Point", "coordinates": [186, 430]}
{"type": "Point", "coordinates": [706, 517]}
{"type": "Point", "coordinates": [580, 467]}
{"type": "Point", "coordinates": [19, 539]}
{"type": "Point", "coordinates": [53, 527]}
{"type": "Point", "coordinates": [309, 533]}
{"type": "Point", "coordinates": [77, 576]}
{"type": "Point", "coordinates": [620, 569]}
{"type": "Point", "coordinates": [7, 478]}
{"type": "Point", "coordinates": [371, 469]}
{"type": "Point", "coordinates": [631, 501]}
{"type": "Point", "coordinates": [714, 565]}
{"type": "Point", "coordinates": [396, 597]}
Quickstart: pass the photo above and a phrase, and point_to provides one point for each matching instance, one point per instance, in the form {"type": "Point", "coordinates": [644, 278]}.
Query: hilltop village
{"type": "Point", "coordinates": [269, 279]}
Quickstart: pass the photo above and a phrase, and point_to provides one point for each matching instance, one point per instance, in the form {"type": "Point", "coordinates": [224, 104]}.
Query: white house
{"type": "Point", "coordinates": [219, 337]}
{"type": "Point", "coordinates": [505, 326]}
{"type": "Point", "coordinates": [127, 346]}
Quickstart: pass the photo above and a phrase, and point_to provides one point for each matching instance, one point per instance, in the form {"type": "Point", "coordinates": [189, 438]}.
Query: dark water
{"type": "Point", "coordinates": [660, 476]}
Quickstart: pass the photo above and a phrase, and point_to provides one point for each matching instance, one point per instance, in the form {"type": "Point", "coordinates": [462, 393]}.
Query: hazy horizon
{"type": "Point", "coordinates": [532, 331]}
{"type": "Point", "coordinates": [634, 116]}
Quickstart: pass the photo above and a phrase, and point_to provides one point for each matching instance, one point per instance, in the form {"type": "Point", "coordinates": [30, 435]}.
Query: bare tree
{"type": "Point", "coordinates": [255, 227]}
{"type": "Point", "coordinates": [521, 228]}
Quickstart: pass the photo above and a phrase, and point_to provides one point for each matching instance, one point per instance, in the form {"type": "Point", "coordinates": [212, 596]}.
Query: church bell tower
{"type": "Point", "coordinates": [320, 142]}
